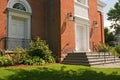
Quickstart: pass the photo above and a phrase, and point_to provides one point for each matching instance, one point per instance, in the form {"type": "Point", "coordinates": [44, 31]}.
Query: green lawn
{"type": "Point", "coordinates": [59, 72]}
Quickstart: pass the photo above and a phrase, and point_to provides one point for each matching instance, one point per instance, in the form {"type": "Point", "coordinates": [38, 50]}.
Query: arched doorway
{"type": "Point", "coordinates": [18, 24]}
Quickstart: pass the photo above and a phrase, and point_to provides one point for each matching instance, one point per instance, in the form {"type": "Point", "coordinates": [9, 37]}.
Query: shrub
{"type": "Point", "coordinates": [117, 49]}
{"type": "Point", "coordinates": [50, 59]}
{"type": "Point", "coordinates": [34, 61]}
{"type": "Point", "coordinates": [19, 55]}
{"type": "Point", "coordinates": [6, 60]}
{"type": "Point", "coordinates": [37, 54]}
{"type": "Point", "coordinates": [104, 48]}
{"type": "Point", "coordinates": [40, 48]}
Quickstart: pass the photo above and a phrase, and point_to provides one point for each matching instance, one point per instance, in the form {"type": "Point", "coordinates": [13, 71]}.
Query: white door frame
{"type": "Point", "coordinates": [84, 22]}
{"type": "Point", "coordinates": [81, 41]}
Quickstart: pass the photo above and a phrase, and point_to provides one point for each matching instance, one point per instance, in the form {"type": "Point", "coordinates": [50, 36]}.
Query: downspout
{"type": "Point", "coordinates": [101, 23]}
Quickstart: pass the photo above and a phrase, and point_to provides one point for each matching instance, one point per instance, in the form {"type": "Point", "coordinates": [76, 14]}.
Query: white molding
{"type": "Point", "coordinates": [24, 2]}
{"type": "Point", "coordinates": [82, 20]}
{"type": "Point", "coordinates": [18, 11]}
{"type": "Point", "coordinates": [82, 51]}
{"type": "Point", "coordinates": [27, 17]}
{"type": "Point", "coordinates": [101, 5]}
{"type": "Point", "coordinates": [81, 10]}
{"type": "Point", "coordinates": [85, 4]}
{"type": "Point", "coordinates": [81, 5]}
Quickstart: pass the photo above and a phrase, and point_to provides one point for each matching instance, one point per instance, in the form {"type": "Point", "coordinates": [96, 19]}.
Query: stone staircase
{"type": "Point", "coordinates": [90, 59]}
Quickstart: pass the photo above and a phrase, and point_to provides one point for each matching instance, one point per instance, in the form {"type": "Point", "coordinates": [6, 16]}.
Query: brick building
{"type": "Point", "coordinates": [66, 25]}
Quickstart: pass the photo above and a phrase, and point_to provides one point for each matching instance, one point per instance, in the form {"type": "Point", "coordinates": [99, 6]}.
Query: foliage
{"type": "Point", "coordinates": [104, 48]}
{"type": "Point", "coordinates": [117, 49]}
{"type": "Point", "coordinates": [40, 48]}
{"type": "Point", "coordinates": [109, 37]}
{"type": "Point", "coordinates": [34, 61]}
{"type": "Point", "coordinates": [37, 54]}
{"type": "Point", "coordinates": [6, 60]}
{"type": "Point", "coordinates": [114, 17]}
{"type": "Point", "coordinates": [112, 50]}
{"type": "Point", "coordinates": [19, 55]}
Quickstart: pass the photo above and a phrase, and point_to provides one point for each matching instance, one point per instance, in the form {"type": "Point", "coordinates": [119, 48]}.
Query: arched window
{"type": "Point", "coordinates": [19, 6]}
{"type": "Point", "coordinates": [18, 24]}
{"type": "Point", "coordinates": [22, 5]}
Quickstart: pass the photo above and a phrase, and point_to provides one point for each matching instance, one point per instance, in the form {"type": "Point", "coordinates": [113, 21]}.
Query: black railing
{"type": "Point", "coordinates": [107, 55]}
{"type": "Point", "coordinates": [12, 43]}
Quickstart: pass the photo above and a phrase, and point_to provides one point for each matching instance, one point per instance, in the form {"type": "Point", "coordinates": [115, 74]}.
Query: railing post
{"type": "Point", "coordinates": [114, 58]}
{"type": "Point", "coordinates": [104, 58]}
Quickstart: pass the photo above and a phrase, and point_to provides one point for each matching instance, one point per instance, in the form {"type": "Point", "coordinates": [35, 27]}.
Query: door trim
{"type": "Point", "coordinates": [87, 39]}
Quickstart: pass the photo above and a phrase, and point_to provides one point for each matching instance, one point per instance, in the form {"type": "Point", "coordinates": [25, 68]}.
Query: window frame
{"type": "Point", "coordinates": [19, 6]}
{"type": "Point", "coordinates": [84, 2]}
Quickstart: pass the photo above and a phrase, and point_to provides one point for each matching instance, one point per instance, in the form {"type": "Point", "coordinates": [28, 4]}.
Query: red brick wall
{"type": "Point", "coordinates": [38, 21]}
{"type": "Point", "coordinates": [67, 27]}
{"type": "Point", "coordinates": [3, 21]}
{"type": "Point", "coordinates": [52, 24]}
{"type": "Point", "coordinates": [101, 25]}
{"type": "Point", "coordinates": [96, 34]}
{"type": "Point", "coordinates": [49, 21]}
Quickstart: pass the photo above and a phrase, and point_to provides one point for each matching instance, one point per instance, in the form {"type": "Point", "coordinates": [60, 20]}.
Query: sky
{"type": "Point", "coordinates": [109, 4]}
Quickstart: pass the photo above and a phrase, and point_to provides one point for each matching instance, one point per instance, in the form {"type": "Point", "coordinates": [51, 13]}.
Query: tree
{"type": "Point", "coordinates": [109, 37]}
{"type": "Point", "coordinates": [114, 17]}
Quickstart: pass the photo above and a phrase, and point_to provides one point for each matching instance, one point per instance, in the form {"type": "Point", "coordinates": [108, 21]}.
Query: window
{"type": "Point", "coordinates": [82, 1]}
{"type": "Point", "coordinates": [19, 6]}
{"type": "Point", "coordinates": [19, 24]}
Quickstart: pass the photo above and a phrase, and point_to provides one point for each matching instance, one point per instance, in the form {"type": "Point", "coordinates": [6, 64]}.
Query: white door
{"type": "Point", "coordinates": [16, 33]}
{"type": "Point", "coordinates": [82, 38]}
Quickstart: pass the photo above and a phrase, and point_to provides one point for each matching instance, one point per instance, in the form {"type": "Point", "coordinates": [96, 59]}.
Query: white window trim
{"type": "Point", "coordinates": [12, 12]}
{"type": "Point", "coordinates": [100, 5]}
{"type": "Point", "coordinates": [24, 2]}
{"type": "Point", "coordinates": [84, 5]}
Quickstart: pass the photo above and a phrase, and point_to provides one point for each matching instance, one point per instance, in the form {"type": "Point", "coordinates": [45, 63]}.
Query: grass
{"type": "Point", "coordinates": [59, 72]}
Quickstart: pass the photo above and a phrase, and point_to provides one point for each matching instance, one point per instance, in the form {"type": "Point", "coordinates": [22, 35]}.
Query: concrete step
{"type": "Point", "coordinates": [91, 61]}
{"type": "Point", "coordinates": [90, 58]}
{"type": "Point", "coordinates": [86, 64]}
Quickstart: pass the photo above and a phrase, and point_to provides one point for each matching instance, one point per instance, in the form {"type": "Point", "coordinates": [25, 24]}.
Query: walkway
{"type": "Point", "coordinates": [113, 65]}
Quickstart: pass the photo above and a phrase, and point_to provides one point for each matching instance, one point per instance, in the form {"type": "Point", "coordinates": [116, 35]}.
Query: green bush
{"type": "Point", "coordinates": [50, 59]}
{"type": "Point", "coordinates": [104, 48]}
{"type": "Point", "coordinates": [40, 48]}
{"type": "Point", "coordinates": [19, 55]}
{"type": "Point", "coordinates": [117, 49]}
{"type": "Point", "coordinates": [34, 61]}
{"type": "Point", "coordinates": [37, 54]}
{"type": "Point", "coordinates": [6, 60]}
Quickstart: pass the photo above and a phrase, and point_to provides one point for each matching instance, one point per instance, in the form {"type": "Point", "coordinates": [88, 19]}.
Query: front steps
{"type": "Point", "coordinates": [90, 59]}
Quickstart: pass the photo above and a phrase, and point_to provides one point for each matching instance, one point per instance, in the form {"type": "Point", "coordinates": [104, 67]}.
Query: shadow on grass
{"type": "Point", "coordinates": [60, 74]}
